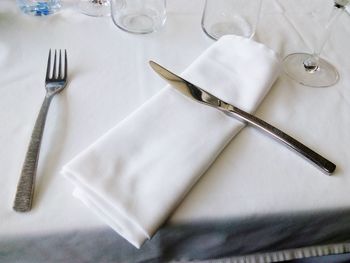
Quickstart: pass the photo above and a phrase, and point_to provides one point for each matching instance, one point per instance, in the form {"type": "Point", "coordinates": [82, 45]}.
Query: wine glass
{"type": "Point", "coordinates": [310, 69]}
{"type": "Point", "coordinates": [94, 7]}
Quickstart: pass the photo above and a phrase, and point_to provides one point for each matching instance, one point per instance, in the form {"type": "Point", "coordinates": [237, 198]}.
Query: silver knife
{"type": "Point", "coordinates": [204, 97]}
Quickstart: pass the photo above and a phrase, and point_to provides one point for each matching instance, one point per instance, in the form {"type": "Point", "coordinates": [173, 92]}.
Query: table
{"type": "Point", "coordinates": [258, 201]}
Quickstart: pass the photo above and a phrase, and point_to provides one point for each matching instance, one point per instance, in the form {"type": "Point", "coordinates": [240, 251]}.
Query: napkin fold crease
{"type": "Point", "coordinates": [136, 174]}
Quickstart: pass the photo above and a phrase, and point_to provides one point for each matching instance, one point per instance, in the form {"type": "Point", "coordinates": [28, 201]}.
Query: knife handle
{"type": "Point", "coordinates": [310, 155]}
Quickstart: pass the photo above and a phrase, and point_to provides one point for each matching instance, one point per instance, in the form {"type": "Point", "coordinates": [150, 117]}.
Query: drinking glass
{"type": "Point", "coordinates": [139, 16]}
{"type": "Point", "coordinates": [94, 7]}
{"type": "Point", "coordinates": [236, 17]}
{"type": "Point", "coordinates": [310, 69]}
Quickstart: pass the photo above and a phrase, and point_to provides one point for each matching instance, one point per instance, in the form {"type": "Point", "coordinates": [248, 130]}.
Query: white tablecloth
{"type": "Point", "coordinates": [109, 77]}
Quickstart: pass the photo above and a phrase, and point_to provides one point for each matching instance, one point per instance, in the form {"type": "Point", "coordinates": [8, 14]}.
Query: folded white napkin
{"type": "Point", "coordinates": [135, 175]}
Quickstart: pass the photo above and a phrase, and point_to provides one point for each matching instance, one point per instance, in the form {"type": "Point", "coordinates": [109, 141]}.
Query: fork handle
{"type": "Point", "coordinates": [25, 187]}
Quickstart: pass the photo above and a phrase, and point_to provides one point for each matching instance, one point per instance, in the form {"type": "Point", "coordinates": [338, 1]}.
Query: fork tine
{"type": "Point", "coordinates": [65, 65]}
{"type": "Point", "coordinates": [54, 73]}
{"type": "Point", "coordinates": [48, 66]}
{"type": "Point", "coordinates": [60, 66]}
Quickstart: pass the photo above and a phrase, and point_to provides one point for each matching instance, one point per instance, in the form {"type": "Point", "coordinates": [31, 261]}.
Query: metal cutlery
{"type": "Point", "coordinates": [204, 97]}
{"type": "Point", "coordinates": [55, 81]}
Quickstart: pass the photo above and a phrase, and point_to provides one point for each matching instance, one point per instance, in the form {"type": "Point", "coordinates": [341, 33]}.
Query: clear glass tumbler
{"type": "Point", "coordinates": [39, 7]}
{"type": "Point", "coordinates": [139, 16]}
{"type": "Point", "coordinates": [230, 17]}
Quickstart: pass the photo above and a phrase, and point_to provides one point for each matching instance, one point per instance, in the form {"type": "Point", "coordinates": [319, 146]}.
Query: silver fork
{"type": "Point", "coordinates": [55, 81]}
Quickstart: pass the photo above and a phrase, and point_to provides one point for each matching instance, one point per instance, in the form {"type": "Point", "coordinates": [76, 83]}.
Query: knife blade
{"type": "Point", "coordinates": [196, 93]}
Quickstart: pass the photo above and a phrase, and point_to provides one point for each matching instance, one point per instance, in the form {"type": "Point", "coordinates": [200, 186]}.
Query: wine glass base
{"type": "Point", "coordinates": [324, 76]}
{"type": "Point", "coordinates": [95, 8]}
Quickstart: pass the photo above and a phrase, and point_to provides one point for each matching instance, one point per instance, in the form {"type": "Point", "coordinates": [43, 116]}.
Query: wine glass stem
{"type": "Point", "coordinates": [311, 64]}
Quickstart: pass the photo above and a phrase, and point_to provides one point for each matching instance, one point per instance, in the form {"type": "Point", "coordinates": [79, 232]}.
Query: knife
{"type": "Point", "coordinates": [190, 90]}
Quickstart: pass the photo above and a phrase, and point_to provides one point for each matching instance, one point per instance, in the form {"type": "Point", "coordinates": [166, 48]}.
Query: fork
{"type": "Point", "coordinates": [55, 81]}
